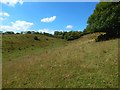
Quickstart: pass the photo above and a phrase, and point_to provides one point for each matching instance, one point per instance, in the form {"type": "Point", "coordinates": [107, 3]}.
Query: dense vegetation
{"type": "Point", "coordinates": [29, 32]}
{"type": "Point", "coordinates": [68, 35]}
{"type": "Point", "coordinates": [106, 18]}
{"type": "Point", "coordinates": [57, 34]}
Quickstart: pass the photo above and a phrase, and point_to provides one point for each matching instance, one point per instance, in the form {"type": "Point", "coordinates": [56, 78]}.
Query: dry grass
{"type": "Point", "coordinates": [81, 63]}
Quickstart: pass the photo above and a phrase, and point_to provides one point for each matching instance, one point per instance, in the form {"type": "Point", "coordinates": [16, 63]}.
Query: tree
{"type": "Point", "coordinates": [72, 35]}
{"type": "Point", "coordinates": [106, 18]}
{"type": "Point", "coordinates": [17, 33]}
{"type": "Point", "coordinates": [58, 34]}
{"type": "Point", "coordinates": [47, 34]}
{"type": "Point", "coordinates": [9, 32]}
{"type": "Point", "coordinates": [29, 32]}
{"type": "Point", "coordinates": [36, 33]}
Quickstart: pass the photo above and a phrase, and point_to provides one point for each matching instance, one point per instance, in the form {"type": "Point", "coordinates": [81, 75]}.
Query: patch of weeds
{"type": "Point", "coordinates": [104, 51]}
{"type": "Point", "coordinates": [25, 83]}
{"type": "Point", "coordinates": [36, 38]}
{"type": "Point", "coordinates": [32, 49]}
{"type": "Point", "coordinates": [105, 37]}
{"type": "Point", "coordinates": [32, 45]}
{"type": "Point", "coordinates": [47, 39]}
{"type": "Point", "coordinates": [27, 46]}
{"type": "Point", "coordinates": [12, 82]}
{"type": "Point", "coordinates": [19, 49]}
{"type": "Point", "coordinates": [10, 60]}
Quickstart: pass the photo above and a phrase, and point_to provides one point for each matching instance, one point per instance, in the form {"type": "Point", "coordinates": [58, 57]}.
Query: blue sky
{"type": "Point", "coordinates": [46, 17]}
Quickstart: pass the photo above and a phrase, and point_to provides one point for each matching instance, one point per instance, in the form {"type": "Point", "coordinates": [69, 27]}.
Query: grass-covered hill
{"type": "Point", "coordinates": [19, 45]}
{"type": "Point", "coordinates": [52, 62]}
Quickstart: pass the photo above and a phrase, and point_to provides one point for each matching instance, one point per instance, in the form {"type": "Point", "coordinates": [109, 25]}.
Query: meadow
{"type": "Point", "coordinates": [57, 63]}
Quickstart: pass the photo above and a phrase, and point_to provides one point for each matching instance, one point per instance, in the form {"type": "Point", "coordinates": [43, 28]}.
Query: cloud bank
{"type": "Point", "coordinates": [17, 26]}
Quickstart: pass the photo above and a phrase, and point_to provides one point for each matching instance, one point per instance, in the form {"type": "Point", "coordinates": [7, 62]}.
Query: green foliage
{"type": "Point", "coordinates": [36, 33]}
{"type": "Point", "coordinates": [28, 32]}
{"type": "Point", "coordinates": [68, 35]}
{"type": "Point", "coordinates": [9, 32]}
{"type": "Point", "coordinates": [17, 33]}
{"type": "Point", "coordinates": [59, 34]}
{"type": "Point", "coordinates": [106, 18]}
{"type": "Point", "coordinates": [36, 38]}
{"type": "Point", "coordinates": [47, 34]}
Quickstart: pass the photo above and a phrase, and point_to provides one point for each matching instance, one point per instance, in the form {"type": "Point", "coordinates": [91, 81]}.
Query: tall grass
{"type": "Point", "coordinates": [81, 63]}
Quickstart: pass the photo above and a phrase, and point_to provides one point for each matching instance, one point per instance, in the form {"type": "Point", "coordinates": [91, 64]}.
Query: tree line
{"type": "Point", "coordinates": [71, 35]}
{"type": "Point", "coordinates": [28, 32]}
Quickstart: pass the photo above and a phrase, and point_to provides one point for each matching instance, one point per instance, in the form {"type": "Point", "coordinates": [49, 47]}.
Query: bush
{"type": "Point", "coordinates": [104, 37]}
{"type": "Point", "coordinates": [68, 35]}
{"type": "Point", "coordinates": [36, 38]}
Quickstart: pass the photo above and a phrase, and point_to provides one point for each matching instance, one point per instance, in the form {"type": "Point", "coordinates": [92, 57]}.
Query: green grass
{"type": "Point", "coordinates": [81, 63]}
{"type": "Point", "coordinates": [15, 46]}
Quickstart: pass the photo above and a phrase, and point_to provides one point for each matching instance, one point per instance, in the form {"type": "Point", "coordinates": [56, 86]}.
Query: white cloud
{"type": "Point", "coordinates": [47, 20]}
{"type": "Point", "coordinates": [69, 27]}
{"type": "Point", "coordinates": [4, 14]}
{"type": "Point", "coordinates": [46, 30]}
{"type": "Point", "coordinates": [17, 26]}
{"type": "Point", "coordinates": [11, 2]}
{"type": "Point", "coordinates": [21, 25]}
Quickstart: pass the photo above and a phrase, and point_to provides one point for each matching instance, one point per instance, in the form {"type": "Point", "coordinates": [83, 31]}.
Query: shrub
{"type": "Point", "coordinates": [36, 38]}
{"type": "Point", "coordinates": [68, 35]}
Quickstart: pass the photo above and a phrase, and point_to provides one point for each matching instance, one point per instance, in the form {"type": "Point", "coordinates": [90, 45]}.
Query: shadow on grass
{"type": "Point", "coordinates": [105, 37]}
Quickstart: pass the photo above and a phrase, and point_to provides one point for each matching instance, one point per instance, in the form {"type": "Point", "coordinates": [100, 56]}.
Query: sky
{"type": "Point", "coordinates": [47, 17]}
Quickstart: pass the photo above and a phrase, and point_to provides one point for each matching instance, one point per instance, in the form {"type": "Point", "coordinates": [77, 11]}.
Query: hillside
{"type": "Point", "coordinates": [52, 62]}
{"type": "Point", "coordinates": [19, 45]}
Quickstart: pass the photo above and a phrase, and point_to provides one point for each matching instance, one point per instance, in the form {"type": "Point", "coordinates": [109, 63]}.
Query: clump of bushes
{"type": "Point", "coordinates": [36, 38]}
{"type": "Point", "coordinates": [104, 37]}
{"type": "Point", "coordinates": [19, 48]}
{"type": "Point", "coordinates": [68, 35]}
{"type": "Point", "coordinates": [47, 39]}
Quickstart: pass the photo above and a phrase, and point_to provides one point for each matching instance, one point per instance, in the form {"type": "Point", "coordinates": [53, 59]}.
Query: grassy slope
{"type": "Point", "coordinates": [80, 63]}
{"type": "Point", "coordinates": [15, 46]}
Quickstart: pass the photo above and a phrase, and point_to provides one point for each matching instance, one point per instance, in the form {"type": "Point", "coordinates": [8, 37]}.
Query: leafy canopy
{"type": "Point", "coordinates": [106, 18]}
